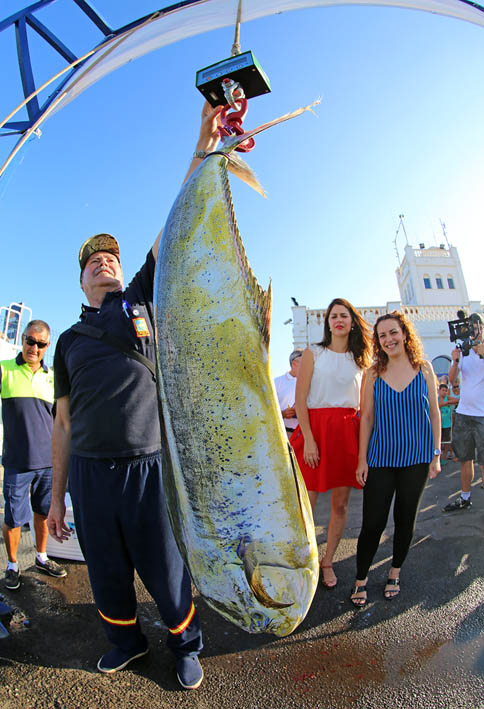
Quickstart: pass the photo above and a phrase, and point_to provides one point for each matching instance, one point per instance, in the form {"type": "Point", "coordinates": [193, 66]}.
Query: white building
{"type": "Point", "coordinates": [432, 289]}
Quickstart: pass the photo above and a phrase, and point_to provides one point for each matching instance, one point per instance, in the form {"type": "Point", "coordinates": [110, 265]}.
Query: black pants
{"type": "Point", "coordinates": [407, 484]}
{"type": "Point", "coordinates": [122, 525]}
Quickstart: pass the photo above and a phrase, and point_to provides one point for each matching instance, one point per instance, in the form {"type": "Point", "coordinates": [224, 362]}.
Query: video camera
{"type": "Point", "coordinates": [466, 331]}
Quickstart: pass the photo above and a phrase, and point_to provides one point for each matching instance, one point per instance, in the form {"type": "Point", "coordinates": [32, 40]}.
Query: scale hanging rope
{"type": "Point", "coordinates": [231, 83]}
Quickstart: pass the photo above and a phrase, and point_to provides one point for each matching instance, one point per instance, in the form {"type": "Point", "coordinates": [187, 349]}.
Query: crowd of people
{"type": "Point", "coordinates": [361, 411]}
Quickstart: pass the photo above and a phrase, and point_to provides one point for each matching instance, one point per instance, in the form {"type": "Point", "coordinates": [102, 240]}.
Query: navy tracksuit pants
{"type": "Point", "coordinates": [122, 525]}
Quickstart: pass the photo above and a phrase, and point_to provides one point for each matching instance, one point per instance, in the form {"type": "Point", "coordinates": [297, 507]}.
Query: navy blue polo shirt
{"type": "Point", "coordinates": [27, 399]}
{"type": "Point", "coordinates": [113, 398]}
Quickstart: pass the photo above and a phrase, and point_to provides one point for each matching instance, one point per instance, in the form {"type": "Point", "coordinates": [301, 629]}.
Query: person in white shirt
{"type": "Point", "coordinates": [468, 432]}
{"type": "Point", "coordinates": [286, 392]}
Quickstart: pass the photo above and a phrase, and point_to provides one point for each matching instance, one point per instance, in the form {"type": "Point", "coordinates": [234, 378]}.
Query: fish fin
{"type": "Point", "coordinates": [257, 587]}
{"type": "Point", "coordinates": [299, 491]}
{"type": "Point", "coordinates": [260, 299]}
{"type": "Point", "coordinates": [240, 169]}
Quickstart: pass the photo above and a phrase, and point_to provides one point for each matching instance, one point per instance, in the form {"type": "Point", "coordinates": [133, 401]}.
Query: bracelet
{"type": "Point", "coordinates": [200, 154]}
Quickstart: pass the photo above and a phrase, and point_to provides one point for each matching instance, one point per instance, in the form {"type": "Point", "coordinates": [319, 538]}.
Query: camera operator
{"type": "Point", "coordinates": [468, 433]}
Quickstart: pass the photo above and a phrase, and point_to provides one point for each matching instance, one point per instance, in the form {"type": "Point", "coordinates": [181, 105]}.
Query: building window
{"type": "Point", "coordinates": [450, 282]}
{"type": "Point", "coordinates": [427, 282]}
{"type": "Point", "coordinates": [439, 282]}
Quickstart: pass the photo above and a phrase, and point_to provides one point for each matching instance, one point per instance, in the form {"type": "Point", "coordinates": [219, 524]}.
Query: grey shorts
{"type": "Point", "coordinates": [467, 437]}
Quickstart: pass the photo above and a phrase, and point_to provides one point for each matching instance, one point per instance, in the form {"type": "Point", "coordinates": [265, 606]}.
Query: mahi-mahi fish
{"type": "Point", "coordinates": [236, 498]}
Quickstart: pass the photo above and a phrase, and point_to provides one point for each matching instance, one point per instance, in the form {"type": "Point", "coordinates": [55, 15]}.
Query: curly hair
{"type": "Point", "coordinates": [412, 343]}
{"type": "Point", "coordinates": [359, 339]}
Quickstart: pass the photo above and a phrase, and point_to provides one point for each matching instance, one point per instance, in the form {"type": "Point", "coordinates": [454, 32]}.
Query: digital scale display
{"type": "Point", "coordinates": [243, 68]}
{"type": "Point", "coordinates": [221, 69]}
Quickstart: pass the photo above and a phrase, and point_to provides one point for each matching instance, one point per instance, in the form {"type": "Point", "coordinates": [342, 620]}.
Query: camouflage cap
{"type": "Point", "coordinates": [98, 242]}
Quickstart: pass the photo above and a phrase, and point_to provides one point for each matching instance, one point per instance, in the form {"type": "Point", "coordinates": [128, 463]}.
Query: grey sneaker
{"type": "Point", "coordinates": [459, 504]}
{"type": "Point", "coordinates": [189, 671]}
{"type": "Point", "coordinates": [51, 567]}
{"type": "Point", "coordinates": [117, 659]}
{"type": "Point", "coordinates": [12, 579]}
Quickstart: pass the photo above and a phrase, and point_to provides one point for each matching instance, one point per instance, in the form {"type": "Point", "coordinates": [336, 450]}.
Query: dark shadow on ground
{"type": "Point", "coordinates": [444, 561]}
{"type": "Point", "coordinates": [61, 612]}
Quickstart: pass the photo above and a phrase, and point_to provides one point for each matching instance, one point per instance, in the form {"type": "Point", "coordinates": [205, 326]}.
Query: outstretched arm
{"type": "Point", "coordinates": [207, 143]}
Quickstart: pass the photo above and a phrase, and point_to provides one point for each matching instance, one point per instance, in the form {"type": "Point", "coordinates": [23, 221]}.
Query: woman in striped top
{"type": "Point", "coordinates": [399, 445]}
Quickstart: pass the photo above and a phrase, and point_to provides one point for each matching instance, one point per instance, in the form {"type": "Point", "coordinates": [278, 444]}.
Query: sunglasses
{"type": "Point", "coordinates": [31, 342]}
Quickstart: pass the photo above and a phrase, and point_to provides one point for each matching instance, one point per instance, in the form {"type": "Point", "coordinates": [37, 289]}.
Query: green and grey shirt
{"type": "Point", "coordinates": [27, 400]}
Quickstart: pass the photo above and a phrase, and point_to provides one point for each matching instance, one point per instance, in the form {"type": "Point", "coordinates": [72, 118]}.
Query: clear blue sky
{"type": "Point", "coordinates": [399, 130]}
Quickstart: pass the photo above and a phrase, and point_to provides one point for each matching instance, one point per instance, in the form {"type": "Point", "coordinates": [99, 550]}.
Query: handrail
{"type": "Point", "coordinates": [14, 314]}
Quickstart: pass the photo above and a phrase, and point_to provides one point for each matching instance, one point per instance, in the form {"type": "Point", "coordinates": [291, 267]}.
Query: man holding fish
{"type": "Point", "coordinates": [107, 441]}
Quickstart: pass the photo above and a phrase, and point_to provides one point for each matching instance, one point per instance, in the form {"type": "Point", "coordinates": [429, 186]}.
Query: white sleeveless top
{"type": "Point", "coordinates": [336, 380]}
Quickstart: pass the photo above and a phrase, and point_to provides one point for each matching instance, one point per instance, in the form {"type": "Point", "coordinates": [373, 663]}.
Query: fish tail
{"type": "Point", "coordinates": [238, 166]}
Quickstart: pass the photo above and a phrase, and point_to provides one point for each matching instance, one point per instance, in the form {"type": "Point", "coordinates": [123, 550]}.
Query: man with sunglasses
{"type": "Point", "coordinates": [27, 392]}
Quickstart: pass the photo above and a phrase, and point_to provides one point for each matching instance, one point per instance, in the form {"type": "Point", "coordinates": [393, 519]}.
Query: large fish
{"type": "Point", "coordinates": [237, 501]}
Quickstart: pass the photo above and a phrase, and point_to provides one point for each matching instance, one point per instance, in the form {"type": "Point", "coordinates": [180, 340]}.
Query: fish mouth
{"type": "Point", "coordinates": [267, 612]}
{"type": "Point", "coordinates": [273, 580]}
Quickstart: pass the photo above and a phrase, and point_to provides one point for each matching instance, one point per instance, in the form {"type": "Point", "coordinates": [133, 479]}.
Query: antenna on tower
{"type": "Point", "coordinates": [401, 226]}
{"type": "Point", "coordinates": [444, 232]}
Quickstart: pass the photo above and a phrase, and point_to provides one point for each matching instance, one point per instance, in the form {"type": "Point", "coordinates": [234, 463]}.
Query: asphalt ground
{"type": "Point", "coordinates": [424, 649]}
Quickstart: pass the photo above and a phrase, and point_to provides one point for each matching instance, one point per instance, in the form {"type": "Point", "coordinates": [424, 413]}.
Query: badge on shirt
{"type": "Point", "coordinates": [141, 327]}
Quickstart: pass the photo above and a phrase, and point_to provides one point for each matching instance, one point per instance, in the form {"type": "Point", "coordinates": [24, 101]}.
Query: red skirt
{"type": "Point", "coordinates": [336, 434]}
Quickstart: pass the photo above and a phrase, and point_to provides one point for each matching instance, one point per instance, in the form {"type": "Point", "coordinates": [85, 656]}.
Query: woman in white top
{"type": "Point", "coordinates": [327, 403]}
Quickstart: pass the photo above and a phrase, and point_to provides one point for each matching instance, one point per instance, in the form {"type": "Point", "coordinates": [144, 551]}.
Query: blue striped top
{"type": "Point", "coordinates": [402, 433]}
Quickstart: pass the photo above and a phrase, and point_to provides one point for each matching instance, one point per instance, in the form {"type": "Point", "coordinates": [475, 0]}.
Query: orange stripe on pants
{"type": "Point", "coordinates": [114, 621]}
{"type": "Point", "coordinates": [180, 628]}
